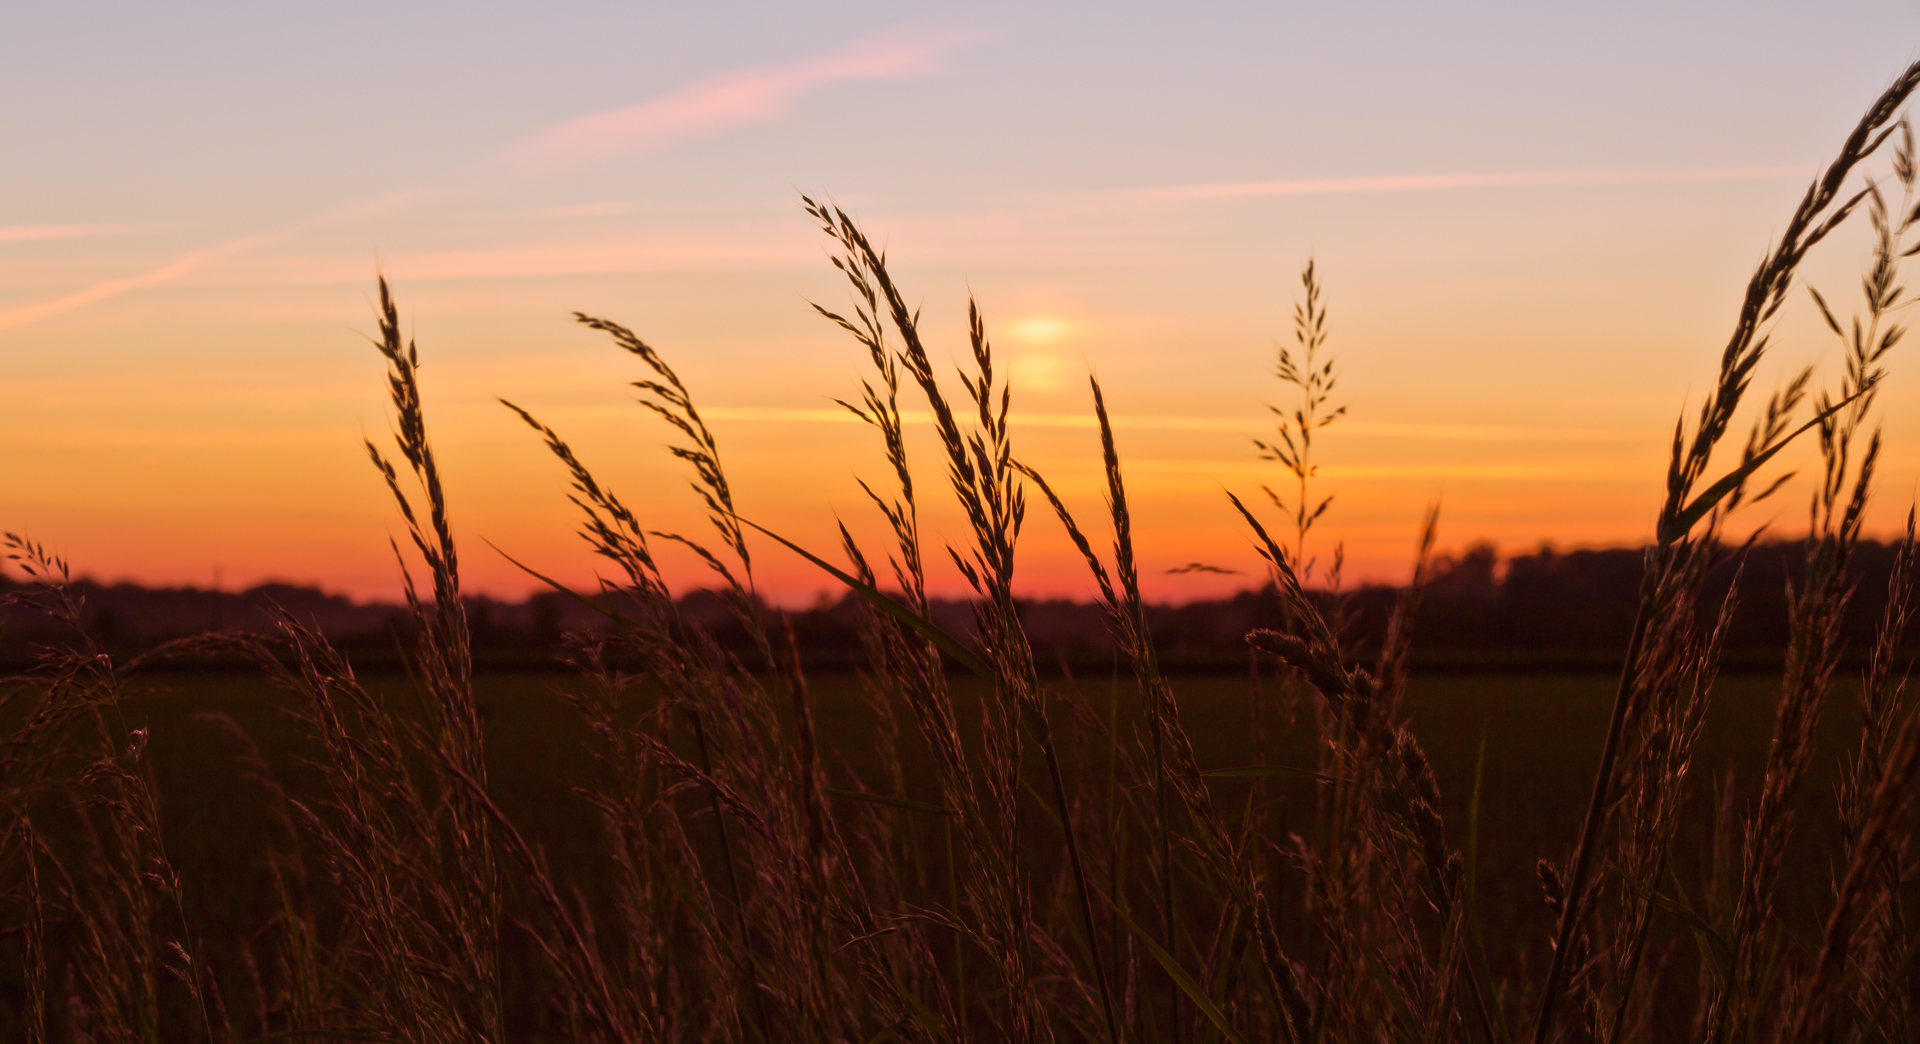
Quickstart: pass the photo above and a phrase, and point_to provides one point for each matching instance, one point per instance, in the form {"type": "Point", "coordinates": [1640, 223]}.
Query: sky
{"type": "Point", "coordinates": [1533, 224]}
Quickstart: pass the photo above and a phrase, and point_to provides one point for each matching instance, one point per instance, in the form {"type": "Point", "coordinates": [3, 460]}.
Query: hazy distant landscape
{"type": "Point", "coordinates": [1544, 610]}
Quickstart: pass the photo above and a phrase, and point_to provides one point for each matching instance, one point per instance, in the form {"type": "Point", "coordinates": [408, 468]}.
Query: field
{"type": "Point", "coordinates": [1541, 736]}
{"type": "Point", "coordinates": [1521, 747]}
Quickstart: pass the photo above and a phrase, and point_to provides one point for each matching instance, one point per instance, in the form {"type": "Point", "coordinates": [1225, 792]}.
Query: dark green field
{"type": "Point", "coordinates": [1540, 733]}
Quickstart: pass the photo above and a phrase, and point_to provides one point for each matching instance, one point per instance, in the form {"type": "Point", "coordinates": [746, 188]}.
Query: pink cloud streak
{"type": "Point", "coordinates": [737, 98]}
{"type": "Point", "coordinates": [29, 233]}
{"type": "Point", "coordinates": [1467, 180]}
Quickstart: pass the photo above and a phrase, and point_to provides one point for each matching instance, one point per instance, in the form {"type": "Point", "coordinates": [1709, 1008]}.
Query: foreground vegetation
{"type": "Point", "coordinates": [1005, 856]}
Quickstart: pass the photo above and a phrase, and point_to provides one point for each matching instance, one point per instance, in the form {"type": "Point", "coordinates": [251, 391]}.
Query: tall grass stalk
{"type": "Point", "coordinates": [1313, 378]}
{"type": "Point", "coordinates": [1821, 210]}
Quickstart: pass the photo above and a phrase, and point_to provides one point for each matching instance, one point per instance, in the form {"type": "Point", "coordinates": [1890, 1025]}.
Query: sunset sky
{"type": "Point", "coordinates": [1533, 222]}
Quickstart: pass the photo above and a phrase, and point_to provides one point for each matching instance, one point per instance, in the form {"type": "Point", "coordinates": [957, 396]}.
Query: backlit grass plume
{"type": "Point", "coordinates": [1311, 375]}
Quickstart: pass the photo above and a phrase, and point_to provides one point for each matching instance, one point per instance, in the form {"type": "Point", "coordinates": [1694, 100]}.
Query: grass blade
{"type": "Point", "coordinates": [896, 802]}
{"type": "Point", "coordinates": [1257, 771]}
{"type": "Point", "coordinates": [1717, 946]}
{"type": "Point", "coordinates": [607, 611]}
{"type": "Point", "coordinates": [1180, 977]}
{"type": "Point", "coordinates": [1676, 527]}
{"type": "Point", "coordinates": [926, 628]}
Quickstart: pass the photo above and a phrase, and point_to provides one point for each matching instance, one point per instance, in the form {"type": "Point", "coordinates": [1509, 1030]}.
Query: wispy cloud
{"type": "Point", "coordinates": [165, 273]}
{"type": "Point", "coordinates": [707, 249]}
{"type": "Point", "coordinates": [587, 210]}
{"type": "Point", "coordinates": [1492, 179]}
{"type": "Point", "coordinates": [737, 98]}
{"type": "Point", "coordinates": [28, 233]}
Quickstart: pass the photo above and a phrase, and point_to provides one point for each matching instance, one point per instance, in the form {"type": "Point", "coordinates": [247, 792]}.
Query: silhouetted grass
{"type": "Point", "coordinates": [691, 840]}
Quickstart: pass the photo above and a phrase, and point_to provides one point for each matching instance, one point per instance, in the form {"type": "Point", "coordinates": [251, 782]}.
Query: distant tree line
{"type": "Point", "coordinates": [1542, 608]}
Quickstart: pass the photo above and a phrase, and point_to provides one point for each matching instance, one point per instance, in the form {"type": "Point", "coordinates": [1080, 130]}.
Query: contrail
{"type": "Point", "coordinates": [166, 273]}
{"type": "Point", "coordinates": [185, 264]}
{"type": "Point", "coordinates": [1232, 190]}
{"type": "Point", "coordinates": [25, 233]}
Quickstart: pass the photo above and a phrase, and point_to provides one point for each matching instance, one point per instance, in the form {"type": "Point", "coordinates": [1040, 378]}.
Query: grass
{"type": "Point", "coordinates": [1537, 731]}
{"type": "Point", "coordinates": [684, 842]}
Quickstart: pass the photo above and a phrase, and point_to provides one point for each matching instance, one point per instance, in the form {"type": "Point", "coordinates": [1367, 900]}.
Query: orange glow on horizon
{"type": "Point", "coordinates": [1516, 318]}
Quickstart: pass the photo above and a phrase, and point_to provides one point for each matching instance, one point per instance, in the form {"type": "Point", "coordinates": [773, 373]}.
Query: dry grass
{"type": "Point", "coordinates": [1072, 874]}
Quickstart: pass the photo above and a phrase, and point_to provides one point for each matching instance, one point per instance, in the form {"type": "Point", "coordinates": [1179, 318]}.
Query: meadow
{"type": "Point", "coordinates": [685, 840]}
{"type": "Point", "coordinates": [1525, 743]}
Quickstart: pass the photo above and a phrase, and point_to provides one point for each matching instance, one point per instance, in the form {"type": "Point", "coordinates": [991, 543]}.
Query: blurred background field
{"type": "Point", "coordinates": [1541, 735]}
